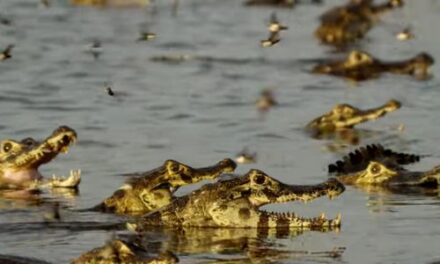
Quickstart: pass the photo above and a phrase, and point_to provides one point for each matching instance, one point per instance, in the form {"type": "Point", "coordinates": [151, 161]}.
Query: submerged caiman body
{"type": "Point", "coordinates": [345, 117]}
{"type": "Point", "coordinates": [235, 203]}
{"type": "Point", "coordinates": [111, 3]}
{"type": "Point", "coordinates": [361, 66]}
{"type": "Point", "coordinates": [346, 24]}
{"type": "Point", "coordinates": [20, 161]}
{"type": "Point", "coordinates": [377, 166]}
{"type": "Point", "coordinates": [154, 189]}
{"type": "Point", "coordinates": [279, 3]}
{"type": "Point", "coordinates": [123, 252]}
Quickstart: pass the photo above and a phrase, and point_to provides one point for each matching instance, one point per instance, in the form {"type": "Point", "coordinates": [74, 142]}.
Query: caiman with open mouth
{"type": "Point", "coordinates": [20, 160]}
{"type": "Point", "coordinates": [154, 189]}
{"type": "Point", "coordinates": [235, 203]}
{"type": "Point", "coordinates": [361, 66]}
{"type": "Point", "coordinates": [375, 165]}
{"type": "Point", "coordinates": [346, 24]}
{"type": "Point", "coordinates": [344, 117]}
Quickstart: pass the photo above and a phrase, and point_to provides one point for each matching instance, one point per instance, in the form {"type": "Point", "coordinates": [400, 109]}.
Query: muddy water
{"type": "Point", "coordinates": [201, 111]}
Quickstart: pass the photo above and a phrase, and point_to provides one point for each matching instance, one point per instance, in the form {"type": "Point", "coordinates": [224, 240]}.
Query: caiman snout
{"type": "Point", "coordinates": [334, 188]}
{"type": "Point", "coordinates": [228, 165]}
{"type": "Point", "coordinates": [60, 139]}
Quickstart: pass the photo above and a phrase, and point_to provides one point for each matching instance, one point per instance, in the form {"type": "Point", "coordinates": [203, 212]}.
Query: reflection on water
{"type": "Point", "coordinates": [190, 95]}
{"type": "Point", "coordinates": [232, 245]}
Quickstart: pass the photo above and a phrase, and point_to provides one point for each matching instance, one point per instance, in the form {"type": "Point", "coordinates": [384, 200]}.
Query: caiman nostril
{"type": "Point", "coordinates": [66, 139]}
{"type": "Point", "coordinates": [229, 163]}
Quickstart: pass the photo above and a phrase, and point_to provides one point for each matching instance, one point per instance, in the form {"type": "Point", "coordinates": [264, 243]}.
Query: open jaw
{"type": "Point", "coordinates": [287, 193]}
{"type": "Point", "coordinates": [235, 203]}
{"type": "Point", "coordinates": [20, 160]}
{"type": "Point", "coordinates": [155, 189]}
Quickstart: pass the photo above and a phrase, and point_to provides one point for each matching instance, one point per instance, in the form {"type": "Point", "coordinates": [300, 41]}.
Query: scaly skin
{"type": "Point", "coordinates": [20, 160]}
{"type": "Point", "coordinates": [375, 165]}
{"type": "Point", "coordinates": [346, 24]}
{"type": "Point", "coordinates": [118, 251]}
{"type": "Point", "coordinates": [361, 66]}
{"type": "Point", "coordinates": [345, 116]}
{"type": "Point", "coordinates": [154, 189]}
{"type": "Point", "coordinates": [235, 203]}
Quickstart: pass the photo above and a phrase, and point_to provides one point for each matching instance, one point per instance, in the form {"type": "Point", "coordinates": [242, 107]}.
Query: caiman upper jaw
{"type": "Point", "coordinates": [335, 188]}
{"type": "Point", "coordinates": [228, 165]}
{"type": "Point", "coordinates": [332, 188]}
{"type": "Point", "coordinates": [48, 149]}
{"type": "Point", "coordinates": [60, 140]}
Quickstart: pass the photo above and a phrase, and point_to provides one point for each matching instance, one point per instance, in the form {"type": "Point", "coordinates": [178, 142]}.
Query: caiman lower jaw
{"type": "Point", "coordinates": [290, 220]}
{"type": "Point", "coordinates": [72, 181]}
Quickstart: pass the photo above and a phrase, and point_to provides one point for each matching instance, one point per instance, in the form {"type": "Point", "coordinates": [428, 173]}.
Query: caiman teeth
{"type": "Point", "coordinates": [64, 150]}
{"type": "Point", "coordinates": [338, 218]}
{"type": "Point", "coordinates": [131, 227]}
{"type": "Point", "coordinates": [46, 150]}
{"type": "Point", "coordinates": [322, 216]}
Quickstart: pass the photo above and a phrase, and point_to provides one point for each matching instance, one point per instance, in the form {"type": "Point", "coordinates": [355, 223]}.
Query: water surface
{"type": "Point", "coordinates": [202, 110]}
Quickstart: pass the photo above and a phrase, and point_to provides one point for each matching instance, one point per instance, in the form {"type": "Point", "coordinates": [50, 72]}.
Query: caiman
{"type": "Point", "coordinates": [154, 189]}
{"type": "Point", "coordinates": [345, 117]}
{"type": "Point", "coordinates": [20, 160]}
{"type": "Point", "coordinates": [235, 203]}
{"type": "Point", "coordinates": [346, 24]}
{"type": "Point", "coordinates": [123, 252]}
{"type": "Point", "coordinates": [361, 66]}
{"type": "Point", "coordinates": [374, 165]}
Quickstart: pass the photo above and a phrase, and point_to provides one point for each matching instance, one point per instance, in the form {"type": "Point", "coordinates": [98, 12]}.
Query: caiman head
{"type": "Point", "coordinates": [376, 173]}
{"type": "Point", "coordinates": [119, 251]}
{"type": "Point", "coordinates": [387, 6]}
{"type": "Point", "coordinates": [419, 66]}
{"type": "Point", "coordinates": [20, 160]}
{"type": "Point", "coordinates": [346, 24]}
{"type": "Point", "coordinates": [360, 66]}
{"type": "Point", "coordinates": [376, 165]}
{"type": "Point", "coordinates": [357, 66]}
{"type": "Point", "coordinates": [345, 116]}
{"type": "Point", "coordinates": [155, 189]}
{"type": "Point", "coordinates": [235, 203]}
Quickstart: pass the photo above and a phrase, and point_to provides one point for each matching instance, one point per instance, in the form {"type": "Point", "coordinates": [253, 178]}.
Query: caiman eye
{"type": "Point", "coordinates": [375, 169]}
{"type": "Point", "coordinates": [66, 139]}
{"type": "Point", "coordinates": [28, 142]}
{"type": "Point", "coordinates": [7, 147]}
{"type": "Point", "coordinates": [145, 198]}
{"type": "Point", "coordinates": [259, 179]}
{"type": "Point", "coordinates": [172, 166]}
